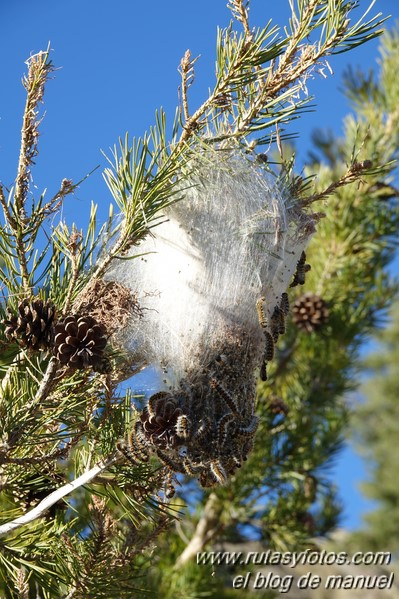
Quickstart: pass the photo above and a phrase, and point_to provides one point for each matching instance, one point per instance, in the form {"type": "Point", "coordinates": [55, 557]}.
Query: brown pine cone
{"type": "Point", "coordinates": [79, 342]}
{"type": "Point", "coordinates": [159, 420]}
{"type": "Point", "coordinates": [278, 406]}
{"type": "Point", "coordinates": [32, 326]}
{"type": "Point", "coordinates": [310, 312]}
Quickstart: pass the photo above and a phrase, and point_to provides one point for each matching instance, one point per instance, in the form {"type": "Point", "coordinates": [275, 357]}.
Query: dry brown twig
{"type": "Point", "coordinates": [22, 584]}
{"type": "Point", "coordinates": [39, 69]}
{"type": "Point", "coordinates": [239, 10]}
{"type": "Point", "coordinates": [186, 71]}
{"type": "Point", "coordinates": [67, 187]}
{"type": "Point", "coordinates": [75, 253]}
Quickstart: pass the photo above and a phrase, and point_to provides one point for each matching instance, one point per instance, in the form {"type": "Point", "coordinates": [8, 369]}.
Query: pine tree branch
{"type": "Point", "coordinates": [209, 525]}
{"type": "Point", "coordinates": [266, 94]}
{"type": "Point", "coordinates": [258, 91]}
{"type": "Point", "coordinates": [67, 187]}
{"type": "Point", "coordinates": [60, 493]}
{"type": "Point", "coordinates": [288, 71]}
{"type": "Point", "coordinates": [142, 181]}
{"type": "Point", "coordinates": [39, 69]}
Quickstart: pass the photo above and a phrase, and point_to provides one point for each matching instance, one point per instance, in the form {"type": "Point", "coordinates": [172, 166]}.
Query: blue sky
{"type": "Point", "coordinates": [118, 63]}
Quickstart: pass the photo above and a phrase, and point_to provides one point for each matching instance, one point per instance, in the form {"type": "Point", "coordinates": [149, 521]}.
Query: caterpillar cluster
{"type": "Point", "coordinates": [206, 428]}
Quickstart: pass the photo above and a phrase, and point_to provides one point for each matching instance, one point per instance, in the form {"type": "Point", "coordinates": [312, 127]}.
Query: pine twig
{"type": "Point", "coordinates": [294, 65]}
{"type": "Point", "coordinates": [352, 174]}
{"type": "Point", "coordinates": [22, 584]}
{"type": "Point", "coordinates": [75, 255]}
{"type": "Point", "coordinates": [187, 76]}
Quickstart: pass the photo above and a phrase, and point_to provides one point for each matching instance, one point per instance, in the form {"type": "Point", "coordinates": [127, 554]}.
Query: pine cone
{"type": "Point", "coordinates": [307, 521]}
{"type": "Point", "coordinates": [310, 312]}
{"type": "Point", "coordinates": [159, 420]}
{"type": "Point", "coordinates": [278, 406]}
{"type": "Point", "coordinates": [32, 327]}
{"type": "Point", "coordinates": [79, 341]}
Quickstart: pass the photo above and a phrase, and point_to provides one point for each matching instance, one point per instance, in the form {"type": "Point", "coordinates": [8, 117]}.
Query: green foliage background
{"type": "Point", "coordinates": [375, 425]}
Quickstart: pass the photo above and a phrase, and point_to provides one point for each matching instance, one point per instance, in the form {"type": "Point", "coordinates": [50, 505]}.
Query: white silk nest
{"type": "Point", "coordinates": [236, 236]}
